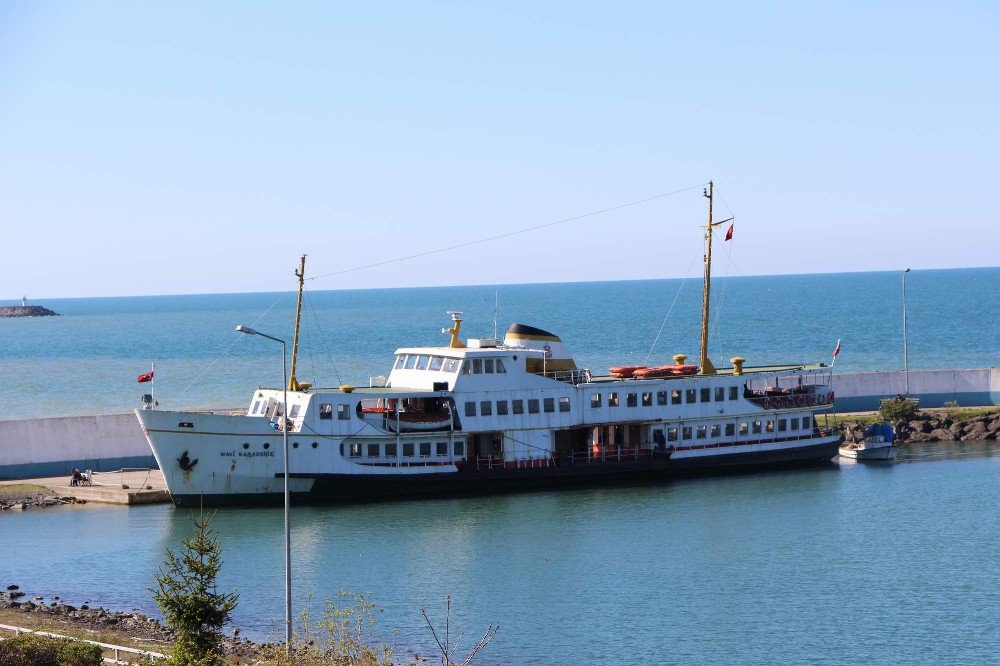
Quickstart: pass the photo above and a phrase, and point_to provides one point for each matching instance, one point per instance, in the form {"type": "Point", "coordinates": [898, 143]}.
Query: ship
{"type": "Point", "coordinates": [484, 415]}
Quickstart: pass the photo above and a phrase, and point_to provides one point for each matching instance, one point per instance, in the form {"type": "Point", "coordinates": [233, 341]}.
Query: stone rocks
{"type": "Point", "coordinates": [934, 427]}
{"type": "Point", "coordinates": [26, 311]}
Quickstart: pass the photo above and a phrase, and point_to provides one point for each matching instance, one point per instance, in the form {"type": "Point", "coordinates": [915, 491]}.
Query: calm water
{"type": "Point", "coordinates": [849, 564]}
{"type": "Point", "coordinates": [85, 362]}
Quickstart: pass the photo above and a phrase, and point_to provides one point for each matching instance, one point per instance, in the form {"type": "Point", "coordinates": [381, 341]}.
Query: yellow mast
{"type": "Point", "coordinates": [293, 384]}
{"type": "Point", "coordinates": [705, 364]}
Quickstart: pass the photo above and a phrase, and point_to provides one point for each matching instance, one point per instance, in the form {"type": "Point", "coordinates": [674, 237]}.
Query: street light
{"type": "Point", "coordinates": [284, 438]}
{"type": "Point", "coordinates": [906, 363]}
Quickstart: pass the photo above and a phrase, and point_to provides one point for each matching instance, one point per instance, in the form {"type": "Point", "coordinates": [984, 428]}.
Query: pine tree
{"type": "Point", "coordinates": [187, 594]}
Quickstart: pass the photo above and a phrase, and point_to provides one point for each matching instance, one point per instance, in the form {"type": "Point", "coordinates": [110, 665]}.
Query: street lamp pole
{"type": "Point", "coordinates": [906, 362]}
{"type": "Point", "coordinates": [288, 497]}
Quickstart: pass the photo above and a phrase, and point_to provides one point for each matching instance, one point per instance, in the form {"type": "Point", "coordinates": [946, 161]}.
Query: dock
{"type": "Point", "coordinates": [129, 487]}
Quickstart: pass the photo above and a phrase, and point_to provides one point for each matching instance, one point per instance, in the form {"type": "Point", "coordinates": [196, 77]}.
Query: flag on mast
{"type": "Point", "coordinates": [729, 232]}
{"type": "Point", "coordinates": [145, 377]}
{"type": "Point", "coordinates": [836, 352]}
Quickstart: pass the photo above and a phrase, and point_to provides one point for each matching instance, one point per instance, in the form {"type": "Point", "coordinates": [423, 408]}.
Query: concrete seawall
{"type": "Point", "coordinates": [54, 446]}
{"type": "Point", "coordinates": [861, 391]}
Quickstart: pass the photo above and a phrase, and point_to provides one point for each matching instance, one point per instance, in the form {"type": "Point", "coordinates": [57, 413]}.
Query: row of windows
{"type": "Point", "coordinates": [483, 366]}
{"type": "Point", "coordinates": [326, 412]}
{"type": "Point", "coordinates": [485, 407]}
{"type": "Point", "coordinates": [677, 397]}
{"type": "Point", "coordinates": [745, 427]}
{"type": "Point", "coordinates": [475, 366]}
{"type": "Point", "coordinates": [410, 449]}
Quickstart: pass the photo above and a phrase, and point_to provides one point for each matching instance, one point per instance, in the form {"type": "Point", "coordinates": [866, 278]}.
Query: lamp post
{"type": "Point", "coordinates": [906, 363]}
{"type": "Point", "coordinates": [284, 439]}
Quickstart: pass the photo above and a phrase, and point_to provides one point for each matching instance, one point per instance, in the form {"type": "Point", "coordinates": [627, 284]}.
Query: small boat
{"type": "Point", "coordinates": [878, 444]}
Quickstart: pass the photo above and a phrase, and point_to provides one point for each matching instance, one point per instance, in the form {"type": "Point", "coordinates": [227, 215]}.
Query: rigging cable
{"type": "Point", "coordinates": [671, 309]}
{"type": "Point", "coordinates": [322, 335]}
{"type": "Point", "coordinates": [507, 234]}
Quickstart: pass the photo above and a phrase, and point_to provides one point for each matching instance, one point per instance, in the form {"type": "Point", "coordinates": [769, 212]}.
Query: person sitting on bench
{"type": "Point", "coordinates": [75, 477]}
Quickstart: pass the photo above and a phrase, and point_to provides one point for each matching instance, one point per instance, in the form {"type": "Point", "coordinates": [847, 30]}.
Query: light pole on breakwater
{"type": "Point", "coordinates": [906, 362]}
{"type": "Point", "coordinates": [284, 439]}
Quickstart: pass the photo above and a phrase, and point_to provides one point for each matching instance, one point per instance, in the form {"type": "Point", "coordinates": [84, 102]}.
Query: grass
{"type": "Point", "coordinates": [12, 490]}
{"type": "Point", "coordinates": [954, 413]}
{"type": "Point", "coordinates": [56, 626]}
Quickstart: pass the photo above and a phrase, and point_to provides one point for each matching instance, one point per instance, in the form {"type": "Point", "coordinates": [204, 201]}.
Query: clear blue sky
{"type": "Point", "coordinates": [201, 147]}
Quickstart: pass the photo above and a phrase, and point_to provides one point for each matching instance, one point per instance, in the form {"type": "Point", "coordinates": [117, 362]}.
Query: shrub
{"type": "Point", "coordinates": [898, 409]}
{"type": "Point", "coordinates": [35, 650]}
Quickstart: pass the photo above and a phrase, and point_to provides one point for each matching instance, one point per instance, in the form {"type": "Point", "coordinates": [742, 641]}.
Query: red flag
{"type": "Point", "coordinates": [729, 232]}
{"type": "Point", "coordinates": [837, 349]}
{"type": "Point", "coordinates": [148, 377]}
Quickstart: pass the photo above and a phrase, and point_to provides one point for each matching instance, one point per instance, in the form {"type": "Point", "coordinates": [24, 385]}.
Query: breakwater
{"type": "Point", "coordinates": [26, 311]}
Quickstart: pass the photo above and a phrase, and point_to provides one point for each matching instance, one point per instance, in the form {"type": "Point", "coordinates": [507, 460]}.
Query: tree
{"type": "Point", "coordinates": [187, 594]}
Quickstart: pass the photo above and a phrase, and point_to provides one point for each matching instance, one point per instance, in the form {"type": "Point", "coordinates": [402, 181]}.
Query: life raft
{"type": "Point", "coordinates": [625, 371]}
{"type": "Point", "coordinates": [665, 371]}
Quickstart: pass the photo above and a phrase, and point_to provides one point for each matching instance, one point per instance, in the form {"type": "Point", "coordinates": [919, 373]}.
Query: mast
{"type": "Point", "coordinates": [293, 384]}
{"type": "Point", "coordinates": [705, 364]}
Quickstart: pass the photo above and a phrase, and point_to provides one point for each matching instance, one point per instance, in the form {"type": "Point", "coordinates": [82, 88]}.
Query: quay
{"type": "Point", "coordinates": [129, 487]}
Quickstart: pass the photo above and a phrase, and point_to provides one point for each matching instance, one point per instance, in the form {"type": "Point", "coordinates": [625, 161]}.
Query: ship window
{"type": "Point", "coordinates": [425, 449]}
{"type": "Point", "coordinates": [477, 366]}
{"type": "Point", "coordinates": [390, 450]}
{"type": "Point", "coordinates": [450, 364]}
{"type": "Point", "coordinates": [400, 361]}
{"type": "Point", "coordinates": [733, 393]}
{"type": "Point", "coordinates": [631, 399]}
{"type": "Point", "coordinates": [518, 406]}
{"type": "Point", "coordinates": [686, 432]}
{"type": "Point", "coordinates": [488, 365]}
{"type": "Point", "coordinates": [373, 450]}
{"type": "Point", "coordinates": [675, 397]}
{"type": "Point", "coordinates": [459, 448]}
{"type": "Point", "coordinates": [442, 448]}
{"type": "Point", "coordinates": [500, 368]}
{"type": "Point", "coordinates": [671, 434]}
{"type": "Point", "coordinates": [807, 422]}
{"type": "Point", "coordinates": [326, 411]}
{"type": "Point", "coordinates": [702, 431]}
{"type": "Point", "coordinates": [549, 404]}
{"type": "Point", "coordinates": [730, 429]}
{"type": "Point", "coordinates": [486, 408]}
{"type": "Point", "coordinates": [295, 445]}
{"type": "Point", "coordinates": [595, 400]}
{"type": "Point", "coordinates": [769, 426]}
{"type": "Point", "coordinates": [795, 424]}
{"type": "Point", "coordinates": [564, 404]}
{"type": "Point", "coordinates": [705, 395]}
{"type": "Point", "coordinates": [342, 413]}
{"type": "Point", "coordinates": [756, 427]}
{"type": "Point", "coordinates": [501, 408]}
{"type": "Point", "coordinates": [467, 367]}
{"type": "Point", "coordinates": [356, 450]}
{"type": "Point", "coordinates": [470, 409]}
{"type": "Point", "coordinates": [294, 412]}
{"type": "Point", "coordinates": [720, 393]}
{"type": "Point", "coordinates": [408, 449]}
{"type": "Point", "coordinates": [690, 396]}
{"type": "Point", "coordinates": [716, 430]}
{"type": "Point", "coordinates": [246, 445]}
{"type": "Point", "coordinates": [533, 406]}
{"type": "Point", "coordinates": [267, 445]}
{"type": "Point", "coordinates": [781, 425]}
{"type": "Point", "coordinates": [661, 397]}
{"type": "Point", "coordinates": [647, 399]}
{"type": "Point", "coordinates": [435, 363]}
{"type": "Point", "coordinates": [612, 400]}
{"type": "Point", "coordinates": [411, 362]}
{"type": "Point", "coordinates": [743, 428]}
{"type": "Point", "coordinates": [253, 409]}
{"type": "Point", "coordinates": [315, 444]}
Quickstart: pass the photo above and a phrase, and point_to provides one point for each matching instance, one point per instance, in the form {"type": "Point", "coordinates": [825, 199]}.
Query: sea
{"type": "Point", "coordinates": [86, 361]}
{"type": "Point", "coordinates": [844, 563]}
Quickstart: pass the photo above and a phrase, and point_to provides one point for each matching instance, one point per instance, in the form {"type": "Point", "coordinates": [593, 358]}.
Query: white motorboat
{"type": "Point", "coordinates": [878, 444]}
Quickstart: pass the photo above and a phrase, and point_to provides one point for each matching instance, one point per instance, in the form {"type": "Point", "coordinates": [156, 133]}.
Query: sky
{"type": "Point", "coordinates": [201, 147]}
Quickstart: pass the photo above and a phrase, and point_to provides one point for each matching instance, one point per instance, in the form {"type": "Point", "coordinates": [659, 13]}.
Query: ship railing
{"type": "Point", "coordinates": [498, 462]}
{"type": "Point", "coordinates": [574, 377]}
{"type": "Point", "coordinates": [605, 454]}
{"type": "Point", "coordinates": [792, 400]}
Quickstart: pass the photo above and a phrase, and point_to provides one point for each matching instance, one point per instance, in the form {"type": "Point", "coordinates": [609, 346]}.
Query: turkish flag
{"type": "Point", "coordinates": [148, 377]}
{"type": "Point", "coordinates": [729, 233]}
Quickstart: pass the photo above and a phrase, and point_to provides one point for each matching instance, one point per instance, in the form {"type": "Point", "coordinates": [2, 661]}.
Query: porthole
{"type": "Point", "coordinates": [315, 444]}
{"type": "Point", "coordinates": [267, 445]}
{"type": "Point", "coordinates": [295, 445]}
{"type": "Point", "coordinates": [246, 445]}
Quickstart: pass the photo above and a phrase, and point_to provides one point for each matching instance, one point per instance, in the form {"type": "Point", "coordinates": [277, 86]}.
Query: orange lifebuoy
{"type": "Point", "coordinates": [625, 371]}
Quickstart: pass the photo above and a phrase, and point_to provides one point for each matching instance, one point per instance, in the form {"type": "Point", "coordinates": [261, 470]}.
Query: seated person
{"type": "Point", "coordinates": [75, 477]}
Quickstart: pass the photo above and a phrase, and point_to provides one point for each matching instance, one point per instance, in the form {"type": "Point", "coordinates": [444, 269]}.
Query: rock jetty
{"type": "Point", "coordinates": [26, 311]}
{"type": "Point", "coordinates": [935, 427]}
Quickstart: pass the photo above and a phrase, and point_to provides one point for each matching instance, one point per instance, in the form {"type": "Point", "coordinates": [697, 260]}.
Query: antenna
{"type": "Point", "coordinates": [496, 311]}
